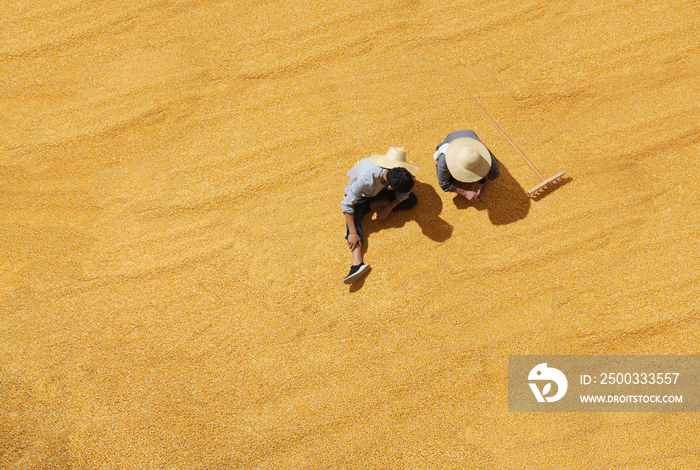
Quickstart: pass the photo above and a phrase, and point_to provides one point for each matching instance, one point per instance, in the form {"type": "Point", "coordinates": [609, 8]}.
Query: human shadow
{"type": "Point", "coordinates": [505, 200]}
{"type": "Point", "coordinates": [426, 214]}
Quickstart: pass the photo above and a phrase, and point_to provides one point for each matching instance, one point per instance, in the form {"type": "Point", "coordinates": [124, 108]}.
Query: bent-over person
{"type": "Point", "coordinates": [463, 157]}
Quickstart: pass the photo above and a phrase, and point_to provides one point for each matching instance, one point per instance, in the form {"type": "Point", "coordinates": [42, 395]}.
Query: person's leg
{"type": "Point", "coordinates": [360, 211]}
{"type": "Point", "coordinates": [380, 202]}
{"type": "Point", "coordinates": [382, 199]}
{"type": "Point", "coordinates": [386, 196]}
{"type": "Point", "coordinates": [361, 207]}
{"type": "Point", "coordinates": [409, 203]}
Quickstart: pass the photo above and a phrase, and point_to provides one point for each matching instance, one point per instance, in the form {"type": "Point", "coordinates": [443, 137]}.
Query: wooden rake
{"type": "Point", "coordinates": [545, 181]}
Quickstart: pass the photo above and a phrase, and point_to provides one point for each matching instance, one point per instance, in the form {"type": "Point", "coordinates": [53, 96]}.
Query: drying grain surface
{"type": "Point", "coordinates": [171, 240]}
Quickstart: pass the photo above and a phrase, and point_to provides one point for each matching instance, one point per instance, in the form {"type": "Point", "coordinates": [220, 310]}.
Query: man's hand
{"type": "Point", "coordinates": [384, 213]}
{"type": "Point", "coordinates": [473, 196]}
{"type": "Point", "coordinates": [470, 195]}
{"type": "Point", "coordinates": [353, 241]}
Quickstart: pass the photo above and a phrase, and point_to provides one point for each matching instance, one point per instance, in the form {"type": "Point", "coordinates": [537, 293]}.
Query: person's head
{"type": "Point", "coordinates": [467, 159]}
{"type": "Point", "coordinates": [400, 179]}
{"type": "Point", "coordinates": [394, 158]}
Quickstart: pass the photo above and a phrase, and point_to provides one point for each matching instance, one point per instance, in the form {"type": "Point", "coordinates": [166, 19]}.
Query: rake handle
{"type": "Point", "coordinates": [506, 136]}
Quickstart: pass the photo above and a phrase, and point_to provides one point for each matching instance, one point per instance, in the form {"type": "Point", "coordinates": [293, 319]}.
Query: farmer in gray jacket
{"type": "Point", "coordinates": [463, 157]}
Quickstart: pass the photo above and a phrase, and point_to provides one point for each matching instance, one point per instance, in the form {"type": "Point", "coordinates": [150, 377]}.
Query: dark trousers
{"type": "Point", "coordinates": [362, 207]}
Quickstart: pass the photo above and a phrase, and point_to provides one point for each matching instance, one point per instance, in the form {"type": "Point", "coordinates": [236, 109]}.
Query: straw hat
{"type": "Point", "coordinates": [467, 159]}
{"type": "Point", "coordinates": [394, 158]}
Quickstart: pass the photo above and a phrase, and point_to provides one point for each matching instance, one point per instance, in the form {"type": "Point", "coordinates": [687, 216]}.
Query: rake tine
{"type": "Point", "coordinates": [541, 186]}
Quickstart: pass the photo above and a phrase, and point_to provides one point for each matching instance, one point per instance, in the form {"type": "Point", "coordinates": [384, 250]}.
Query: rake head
{"type": "Point", "coordinates": [542, 186]}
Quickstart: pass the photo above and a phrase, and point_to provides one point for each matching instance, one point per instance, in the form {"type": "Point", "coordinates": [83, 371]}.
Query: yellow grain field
{"type": "Point", "coordinates": [171, 238]}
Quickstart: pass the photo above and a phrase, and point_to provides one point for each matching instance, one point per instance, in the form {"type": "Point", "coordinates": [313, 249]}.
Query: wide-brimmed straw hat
{"type": "Point", "coordinates": [467, 159]}
{"type": "Point", "coordinates": [394, 158]}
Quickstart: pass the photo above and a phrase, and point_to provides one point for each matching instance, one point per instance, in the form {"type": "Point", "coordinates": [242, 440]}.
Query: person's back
{"type": "Point", "coordinates": [463, 157]}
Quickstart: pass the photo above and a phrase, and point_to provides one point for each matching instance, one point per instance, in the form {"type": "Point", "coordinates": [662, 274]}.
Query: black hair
{"type": "Point", "coordinates": [400, 179]}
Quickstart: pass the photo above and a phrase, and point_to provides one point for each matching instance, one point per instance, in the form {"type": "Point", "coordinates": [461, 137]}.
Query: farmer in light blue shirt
{"type": "Point", "coordinates": [382, 182]}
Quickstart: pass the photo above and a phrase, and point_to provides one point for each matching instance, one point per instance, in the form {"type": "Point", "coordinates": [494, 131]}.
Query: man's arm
{"type": "Point", "coordinates": [384, 213]}
{"type": "Point", "coordinates": [445, 181]}
{"type": "Point", "coordinates": [353, 238]}
{"type": "Point", "coordinates": [494, 173]}
{"type": "Point", "coordinates": [480, 193]}
{"type": "Point", "coordinates": [348, 207]}
{"type": "Point", "coordinates": [443, 175]}
{"type": "Point", "coordinates": [471, 195]}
